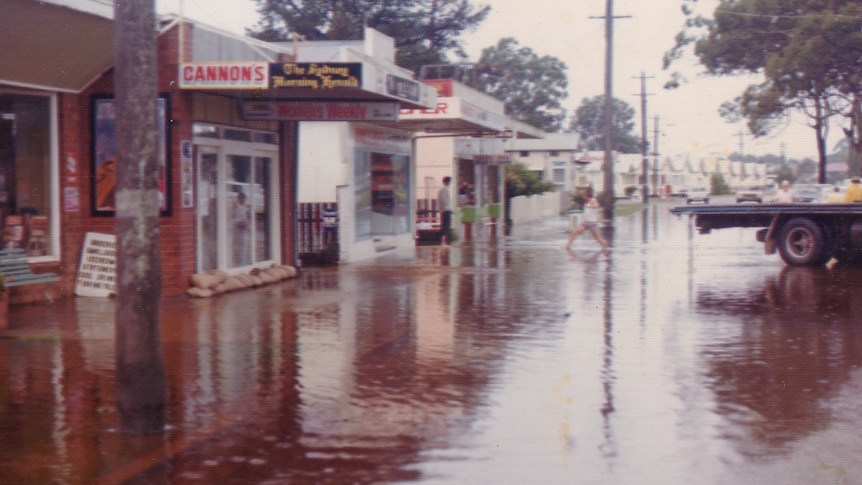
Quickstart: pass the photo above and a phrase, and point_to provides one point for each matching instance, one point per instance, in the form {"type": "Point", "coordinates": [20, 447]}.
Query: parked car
{"type": "Point", "coordinates": [755, 192]}
{"type": "Point", "coordinates": [811, 193]}
{"type": "Point", "coordinates": [697, 194]}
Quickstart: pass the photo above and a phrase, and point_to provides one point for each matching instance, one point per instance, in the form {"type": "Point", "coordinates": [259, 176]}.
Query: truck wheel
{"type": "Point", "coordinates": [802, 243]}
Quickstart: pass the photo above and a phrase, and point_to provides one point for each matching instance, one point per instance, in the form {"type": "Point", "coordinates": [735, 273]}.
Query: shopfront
{"type": "Point", "coordinates": [29, 210]}
{"type": "Point", "coordinates": [227, 178]}
{"type": "Point", "coordinates": [236, 173]}
{"type": "Point", "coordinates": [464, 137]}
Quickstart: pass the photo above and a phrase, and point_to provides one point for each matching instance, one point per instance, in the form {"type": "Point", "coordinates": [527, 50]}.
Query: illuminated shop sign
{"type": "Point", "coordinates": [223, 75]}
{"type": "Point", "coordinates": [320, 110]}
{"type": "Point", "coordinates": [304, 75]}
{"type": "Point", "coordinates": [403, 88]}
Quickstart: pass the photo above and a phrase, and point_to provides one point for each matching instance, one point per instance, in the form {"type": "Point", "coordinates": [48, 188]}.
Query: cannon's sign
{"type": "Point", "coordinates": [224, 75]}
{"type": "Point", "coordinates": [320, 110]}
{"type": "Point", "coordinates": [310, 75]}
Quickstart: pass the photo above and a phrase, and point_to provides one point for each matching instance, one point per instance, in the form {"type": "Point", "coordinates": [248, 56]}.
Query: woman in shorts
{"type": "Point", "coordinates": [590, 221]}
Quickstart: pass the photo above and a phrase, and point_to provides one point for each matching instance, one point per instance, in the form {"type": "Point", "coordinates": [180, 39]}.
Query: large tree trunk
{"type": "Point", "coordinates": [140, 374]}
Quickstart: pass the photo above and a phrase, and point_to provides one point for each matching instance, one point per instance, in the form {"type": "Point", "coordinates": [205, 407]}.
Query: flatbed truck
{"type": "Point", "coordinates": [803, 234]}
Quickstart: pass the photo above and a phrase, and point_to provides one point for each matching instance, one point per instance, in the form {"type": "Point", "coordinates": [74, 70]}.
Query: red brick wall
{"type": "Point", "coordinates": [177, 231]}
{"type": "Point", "coordinates": [177, 237]}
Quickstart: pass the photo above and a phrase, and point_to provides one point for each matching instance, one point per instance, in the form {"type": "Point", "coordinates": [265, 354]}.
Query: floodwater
{"type": "Point", "coordinates": [674, 358]}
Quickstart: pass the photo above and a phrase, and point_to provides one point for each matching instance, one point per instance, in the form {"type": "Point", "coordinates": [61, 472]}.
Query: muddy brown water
{"type": "Point", "coordinates": [673, 358]}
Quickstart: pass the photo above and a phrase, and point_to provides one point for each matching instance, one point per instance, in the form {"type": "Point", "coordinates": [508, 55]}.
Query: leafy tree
{"type": "Point", "coordinates": [717, 184]}
{"type": "Point", "coordinates": [808, 52]}
{"type": "Point", "coordinates": [424, 30]}
{"type": "Point", "coordinates": [784, 173]}
{"type": "Point", "coordinates": [520, 180]}
{"type": "Point", "coordinates": [589, 123]}
{"type": "Point", "coordinates": [531, 87]}
{"type": "Point", "coordinates": [806, 169]}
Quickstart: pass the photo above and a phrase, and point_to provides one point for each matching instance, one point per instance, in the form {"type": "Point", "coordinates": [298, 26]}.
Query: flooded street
{"type": "Point", "coordinates": [674, 358]}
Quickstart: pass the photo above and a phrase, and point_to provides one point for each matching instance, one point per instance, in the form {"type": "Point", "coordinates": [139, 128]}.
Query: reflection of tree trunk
{"type": "Point", "coordinates": [854, 137]}
{"type": "Point", "coordinates": [140, 375]}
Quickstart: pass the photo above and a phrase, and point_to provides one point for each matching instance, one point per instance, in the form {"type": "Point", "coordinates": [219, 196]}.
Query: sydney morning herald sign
{"type": "Point", "coordinates": [315, 75]}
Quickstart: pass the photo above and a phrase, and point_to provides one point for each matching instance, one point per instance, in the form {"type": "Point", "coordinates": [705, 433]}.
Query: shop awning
{"type": "Point", "coordinates": [454, 115]}
{"type": "Point", "coordinates": [49, 45]}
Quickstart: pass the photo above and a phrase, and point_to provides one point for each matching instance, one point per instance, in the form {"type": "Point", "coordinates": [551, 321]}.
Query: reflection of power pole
{"type": "Point", "coordinates": [644, 165]}
{"type": "Point", "coordinates": [741, 135]}
{"type": "Point", "coordinates": [608, 111]}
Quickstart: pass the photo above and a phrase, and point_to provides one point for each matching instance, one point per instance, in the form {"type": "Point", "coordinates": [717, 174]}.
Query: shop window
{"type": "Point", "coordinates": [268, 138]}
{"type": "Point", "coordinates": [25, 173]}
{"type": "Point", "coordinates": [206, 131]}
{"type": "Point", "coordinates": [362, 196]}
{"type": "Point", "coordinates": [105, 154]}
{"type": "Point", "coordinates": [389, 193]}
{"type": "Point", "coordinates": [237, 135]}
{"type": "Point", "coordinates": [382, 194]}
{"type": "Point", "coordinates": [559, 175]}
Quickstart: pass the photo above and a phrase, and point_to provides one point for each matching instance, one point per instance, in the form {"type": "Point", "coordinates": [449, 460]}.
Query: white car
{"type": "Point", "coordinates": [697, 194]}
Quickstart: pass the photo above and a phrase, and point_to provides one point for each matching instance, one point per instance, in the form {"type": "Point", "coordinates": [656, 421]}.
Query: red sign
{"type": "Point", "coordinates": [443, 87]}
{"type": "Point", "coordinates": [224, 75]}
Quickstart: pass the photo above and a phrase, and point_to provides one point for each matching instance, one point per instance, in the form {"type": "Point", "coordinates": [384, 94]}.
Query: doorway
{"type": "Point", "coordinates": [237, 191]}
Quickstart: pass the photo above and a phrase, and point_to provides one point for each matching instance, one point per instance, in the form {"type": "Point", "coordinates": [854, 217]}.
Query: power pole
{"type": "Point", "coordinates": [655, 153]}
{"type": "Point", "coordinates": [608, 167]}
{"type": "Point", "coordinates": [644, 163]}
{"type": "Point", "coordinates": [141, 392]}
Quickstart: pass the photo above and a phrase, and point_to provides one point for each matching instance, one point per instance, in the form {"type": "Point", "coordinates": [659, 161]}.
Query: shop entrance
{"type": "Point", "coordinates": [236, 186]}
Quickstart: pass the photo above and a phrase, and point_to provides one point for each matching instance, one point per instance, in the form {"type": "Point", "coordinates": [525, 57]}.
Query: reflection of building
{"type": "Point", "coordinates": [233, 102]}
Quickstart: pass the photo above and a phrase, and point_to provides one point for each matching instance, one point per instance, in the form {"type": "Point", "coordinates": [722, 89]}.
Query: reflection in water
{"type": "Point", "coordinates": [800, 338]}
{"type": "Point", "coordinates": [609, 447]}
{"type": "Point", "coordinates": [471, 364]}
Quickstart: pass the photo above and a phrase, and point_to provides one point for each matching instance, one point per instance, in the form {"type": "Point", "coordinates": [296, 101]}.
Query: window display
{"type": "Point", "coordinates": [25, 171]}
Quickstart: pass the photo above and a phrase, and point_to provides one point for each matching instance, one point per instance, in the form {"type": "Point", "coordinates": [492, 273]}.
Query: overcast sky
{"type": "Point", "coordinates": [689, 121]}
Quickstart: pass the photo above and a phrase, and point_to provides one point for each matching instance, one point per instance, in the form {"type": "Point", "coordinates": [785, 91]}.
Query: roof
{"type": "Point", "coordinates": [552, 142]}
{"type": "Point", "coordinates": [66, 48]}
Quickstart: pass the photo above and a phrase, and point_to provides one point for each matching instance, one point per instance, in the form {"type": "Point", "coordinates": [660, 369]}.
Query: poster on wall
{"type": "Point", "coordinates": [186, 185]}
{"type": "Point", "coordinates": [104, 168]}
{"type": "Point", "coordinates": [98, 268]}
{"type": "Point", "coordinates": [70, 199]}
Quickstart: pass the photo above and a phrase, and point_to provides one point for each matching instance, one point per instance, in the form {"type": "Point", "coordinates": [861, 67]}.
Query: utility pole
{"type": "Point", "coordinates": [644, 163]}
{"type": "Point", "coordinates": [655, 153]}
{"type": "Point", "coordinates": [741, 136]}
{"type": "Point", "coordinates": [608, 167]}
{"type": "Point", "coordinates": [141, 392]}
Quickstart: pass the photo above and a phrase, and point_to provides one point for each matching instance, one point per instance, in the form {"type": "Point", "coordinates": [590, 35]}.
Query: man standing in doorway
{"type": "Point", "coordinates": [444, 205]}
{"type": "Point", "coordinates": [241, 217]}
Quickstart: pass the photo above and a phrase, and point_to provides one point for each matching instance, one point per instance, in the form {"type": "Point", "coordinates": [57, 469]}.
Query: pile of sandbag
{"type": "Point", "coordinates": [215, 282]}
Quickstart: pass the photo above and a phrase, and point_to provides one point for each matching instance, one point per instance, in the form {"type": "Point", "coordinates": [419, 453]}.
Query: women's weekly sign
{"type": "Point", "coordinates": [98, 269]}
